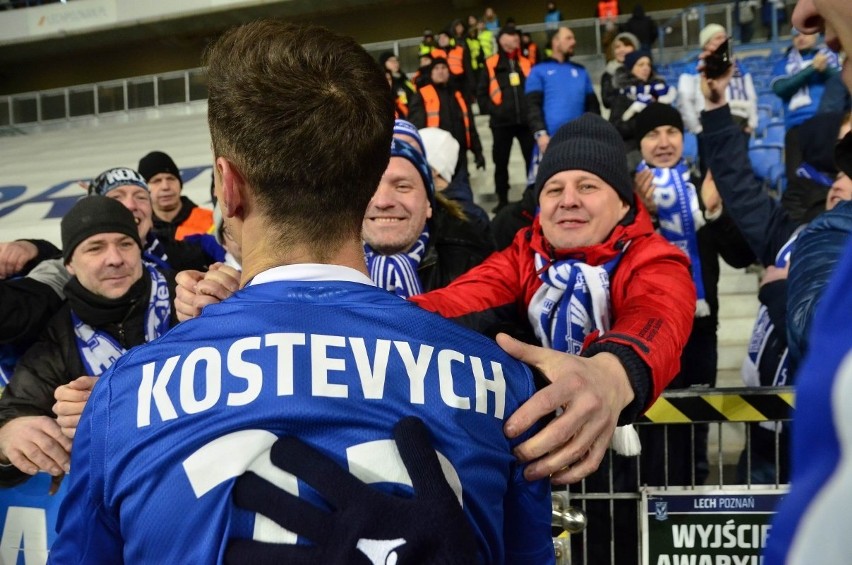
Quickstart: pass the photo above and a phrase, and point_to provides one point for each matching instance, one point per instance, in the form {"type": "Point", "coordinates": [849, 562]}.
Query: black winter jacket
{"type": "Point", "coordinates": [26, 304]}
{"type": "Point", "coordinates": [166, 230]}
{"type": "Point", "coordinates": [54, 360]}
{"type": "Point", "coordinates": [455, 247]}
{"type": "Point", "coordinates": [763, 222]}
{"type": "Point", "coordinates": [513, 110]}
{"type": "Point", "coordinates": [451, 118]}
{"type": "Point", "coordinates": [815, 255]}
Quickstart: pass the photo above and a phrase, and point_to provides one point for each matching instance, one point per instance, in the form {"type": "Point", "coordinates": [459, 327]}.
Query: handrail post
{"type": "Point", "coordinates": [598, 39]}
{"type": "Point", "coordinates": [774, 10]}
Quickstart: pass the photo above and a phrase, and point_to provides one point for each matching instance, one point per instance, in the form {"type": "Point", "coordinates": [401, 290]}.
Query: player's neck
{"type": "Point", "coordinates": [261, 253]}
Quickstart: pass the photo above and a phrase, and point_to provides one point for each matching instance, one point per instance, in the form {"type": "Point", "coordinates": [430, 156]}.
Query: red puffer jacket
{"type": "Point", "coordinates": [653, 297]}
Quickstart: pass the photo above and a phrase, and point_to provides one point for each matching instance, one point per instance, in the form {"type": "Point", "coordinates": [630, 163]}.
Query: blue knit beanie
{"type": "Point", "coordinates": [400, 148]}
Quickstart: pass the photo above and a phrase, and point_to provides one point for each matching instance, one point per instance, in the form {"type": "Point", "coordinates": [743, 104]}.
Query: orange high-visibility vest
{"type": "Point", "coordinates": [607, 9]}
{"type": "Point", "coordinates": [432, 105]}
{"type": "Point", "coordinates": [439, 52]}
{"type": "Point", "coordinates": [494, 91]}
{"type": "Point", "coordinates": [200, 220]}
{"type": "Point", "coordinates": [532, 53]}
{"type": "Point", "coordinates": [454, 57]}
{"type": "Point", "coordinates": [401, 108]}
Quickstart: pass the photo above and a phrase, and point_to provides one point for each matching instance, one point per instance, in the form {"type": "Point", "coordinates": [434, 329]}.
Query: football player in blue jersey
{"type": "Point", "coordinates": [301, 121]}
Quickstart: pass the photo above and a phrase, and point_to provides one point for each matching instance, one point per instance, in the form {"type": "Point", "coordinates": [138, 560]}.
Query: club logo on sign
{"type": "Point", "coordinates": [661, 511]}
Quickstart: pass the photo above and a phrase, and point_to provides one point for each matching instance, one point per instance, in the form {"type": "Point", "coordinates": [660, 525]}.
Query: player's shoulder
{"type": "Point", "coordinates": [450, 335]}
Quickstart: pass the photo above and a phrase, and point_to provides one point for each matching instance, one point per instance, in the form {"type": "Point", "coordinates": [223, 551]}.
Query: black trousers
{"type": "Point", "coordinates": [671, 453]}
{"type": "Point", "coordinates": [502, 148]}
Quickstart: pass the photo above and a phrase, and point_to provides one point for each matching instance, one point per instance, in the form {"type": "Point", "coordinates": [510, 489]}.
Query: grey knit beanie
{"type": "Point", "coordinates": [592, 144]}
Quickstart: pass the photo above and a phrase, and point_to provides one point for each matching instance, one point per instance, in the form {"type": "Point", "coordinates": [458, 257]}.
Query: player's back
{"type": "Point", "coordinates": [336, 364]}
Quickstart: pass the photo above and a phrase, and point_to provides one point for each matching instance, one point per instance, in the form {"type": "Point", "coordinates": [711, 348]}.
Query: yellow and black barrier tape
{"type": "Point", "coordinates": [722, 405]}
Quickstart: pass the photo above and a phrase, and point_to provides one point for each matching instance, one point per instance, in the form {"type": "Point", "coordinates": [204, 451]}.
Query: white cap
{"type": "Point", "coordinates": [442, 151]}
{"type": "Point", "coordinates": [708, 32]}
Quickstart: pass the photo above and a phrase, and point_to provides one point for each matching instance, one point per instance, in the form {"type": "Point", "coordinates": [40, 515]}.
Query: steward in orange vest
{"type": "Point", "coordinates": [175, 216]}
{"type": "Point", "coordinates": [529, 49]}
{"type": "Point", "coordinates": [440, 104]}
{"type": "Point", "coordinates": [458, 59]}
{"type": "Point", "coordinates": [501, 95]}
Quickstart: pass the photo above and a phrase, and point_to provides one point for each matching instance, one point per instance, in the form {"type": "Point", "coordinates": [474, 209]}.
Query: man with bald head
{"type": "Point", "coordinates": [558, 90]}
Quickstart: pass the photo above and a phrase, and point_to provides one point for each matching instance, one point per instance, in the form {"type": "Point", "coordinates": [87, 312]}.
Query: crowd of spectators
{"type": "Point", "coordinates": [68, 315]}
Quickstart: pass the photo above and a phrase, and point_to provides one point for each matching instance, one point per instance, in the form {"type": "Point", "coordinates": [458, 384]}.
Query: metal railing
{"type": "Point", "coordinates": [84, 101]}
{"type": "Point", "coordinates": [676, 458]}
{"type": "Point", "coordinates": [679, 32]}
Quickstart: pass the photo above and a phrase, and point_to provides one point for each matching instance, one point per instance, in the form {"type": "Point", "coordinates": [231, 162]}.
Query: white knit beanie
{"type": "Point", "coordinates": [708, 32]}
{"type": "Point", "coordinates": [442, 151]}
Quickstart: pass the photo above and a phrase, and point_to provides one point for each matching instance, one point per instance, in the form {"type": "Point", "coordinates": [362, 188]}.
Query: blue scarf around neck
{"type": "Point", "coordinates": [680, 218]}
{"type": "Point", "coordinates": [398, 273]}
{"type": "Point", "coordinates": [99, 350]}
{"type": "Point", "coordinates": [572, 302]}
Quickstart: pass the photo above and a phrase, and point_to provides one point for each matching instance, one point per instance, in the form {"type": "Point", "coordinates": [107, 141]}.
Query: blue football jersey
{"type": "Point", "coordinates": [334, 362]}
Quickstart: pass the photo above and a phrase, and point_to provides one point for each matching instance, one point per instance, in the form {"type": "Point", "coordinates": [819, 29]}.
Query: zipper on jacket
{"type": "Point", "coordinates": [512, 69]}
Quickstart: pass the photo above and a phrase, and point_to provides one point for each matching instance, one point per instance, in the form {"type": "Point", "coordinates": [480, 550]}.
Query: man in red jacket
{"type": "Point", "coordinates": [613, 342]}
{"type": "Point", "coordinates": [591, 278]}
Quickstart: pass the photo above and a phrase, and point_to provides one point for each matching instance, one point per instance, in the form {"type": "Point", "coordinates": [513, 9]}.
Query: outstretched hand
{"type": "Point", "coordinates": [643, 186]}
{"type": "Point", "coordinates": [33, 443]}
{"type": "Point", "coordinates": [591, 392]}
{"type": "Point", "coordinates": [364, 524]}
{"type": "Point", "coordinates": [714, 89]}
{"type": "Point", "coordinates": [71, 398]}
{"type": "Point", "coordinates": [196, 289]}
{"type": "Point", "coordinates": [14, 255]}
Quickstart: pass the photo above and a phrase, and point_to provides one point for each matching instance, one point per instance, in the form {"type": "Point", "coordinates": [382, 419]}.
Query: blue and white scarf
{"type": "Point", "coordinates": [8, 358]}
{"type": "Point", "coordinates": [99, 350]}
{"type": "Point", "coordinates": [154, 252]}
{"type": "Point", "coordinates": [736, 86]}
{"type": "Point", "coordinates": [562, 320]}
{"type": "Point", "coordinates": [808, 171]}
{"type": "Point", "coordinates": [763, 329]}
{"type": "Point", "coordinates": [398, 273]}
{"type": "Point", "coordinates": [680, 219]}
{"type": "Point", "coordinates": [795, 63]}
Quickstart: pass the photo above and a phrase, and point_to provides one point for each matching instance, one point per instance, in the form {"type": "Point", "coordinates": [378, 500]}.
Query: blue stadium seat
{"type": "Point", "coordinates": [775, 131]}
{"type": "Point", "coordinates": [764, 116]}
{"type": "Point", "coordinates": [777, 178]}
{"type": "Point", "coordinates": [761, 82]}
{"type": "Point", "coordinates": [690, 147]}
{"type": "Point", "coordinates": [763, 156]}
{"type": "Point", "coordinates": [769, 98]}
